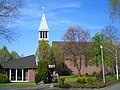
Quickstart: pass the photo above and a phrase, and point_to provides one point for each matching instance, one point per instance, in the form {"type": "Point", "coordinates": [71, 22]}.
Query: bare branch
{"type": "Point", "coordinates": [9, 12]}
{"type": "Point", "coordinates": [76, 38]}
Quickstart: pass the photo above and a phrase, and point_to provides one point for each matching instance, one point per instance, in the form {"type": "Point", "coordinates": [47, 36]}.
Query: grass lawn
{"type": "Point", "coordinates": [71, 81]}
{"type": "Point", "coordinates": [74, 78]}
{"type": "Point", "coordinates": [70, 78]}
{"type": "Point", "coordinates": [18, 84]}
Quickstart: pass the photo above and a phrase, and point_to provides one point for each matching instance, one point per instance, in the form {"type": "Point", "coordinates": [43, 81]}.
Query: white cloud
{"type": "Point", "coordinates": [60, 23]}
{"type": "Point", "coordinates": [69, 5]}
{"type": "Point", "coordinates": [61, 5]}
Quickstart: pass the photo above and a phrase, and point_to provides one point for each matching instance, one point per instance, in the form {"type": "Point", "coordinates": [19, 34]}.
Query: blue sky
{"type": "Point", "coordinates": [60, 14]}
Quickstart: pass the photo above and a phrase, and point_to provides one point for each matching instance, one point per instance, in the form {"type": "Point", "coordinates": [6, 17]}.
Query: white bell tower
{"type": "Point", "coordinates": [43, 31]}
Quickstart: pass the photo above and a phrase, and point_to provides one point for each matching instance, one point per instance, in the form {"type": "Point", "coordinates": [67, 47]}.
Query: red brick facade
{"type": "Point", "coordinates": [31, 75]}
{"type": "Point", "coordinates": [84, 69]}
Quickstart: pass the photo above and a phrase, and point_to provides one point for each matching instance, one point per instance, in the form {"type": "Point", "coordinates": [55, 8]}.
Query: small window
{"type": "Point", "coordinates": [46, 34]}
{"type": "Point", "coordinates": [43, 34]}
{"type": "Point", "coordinates": [40, 34]}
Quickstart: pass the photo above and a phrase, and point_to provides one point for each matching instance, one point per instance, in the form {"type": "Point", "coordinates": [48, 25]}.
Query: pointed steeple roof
{"type": "Point", "coordinates": [43, 24]}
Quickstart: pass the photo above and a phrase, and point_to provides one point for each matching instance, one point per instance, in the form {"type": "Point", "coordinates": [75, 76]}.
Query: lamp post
{"type": "Point", "coordinates": [101, 47]}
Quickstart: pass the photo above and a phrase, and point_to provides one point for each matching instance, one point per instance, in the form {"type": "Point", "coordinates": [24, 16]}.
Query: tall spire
{"type": "Point", "coordinates": [43, 31]}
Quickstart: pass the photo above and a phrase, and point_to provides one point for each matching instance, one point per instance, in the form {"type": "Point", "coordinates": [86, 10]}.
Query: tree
{"type": "Point", "coordinates": [111, 32]}
{"type": "Point", "coordinates": [115, 9]}
{"type": "Point", "coordinates": [43, 54]}
{"type": "Point", "coordinates": [56, 57]}
{"type": "Point", "coordinates": [43, 51]}
{"type": "Point", "coordinates": [113, 35]}
{"type": "Point", "coordinates": [14, 55]}
{"type": "Point", "coordinates": [9, 12]}
{"type": "Point", "coordinates": [5, 54]}
{"type": "Point", "coordinates": [97, 40]}
{"type": "Point", "coordinates": [107, 38]}
{"type": "Point", "coordinates": [43, 71]}
{"type": "Point", "coordinates": [76, 38]}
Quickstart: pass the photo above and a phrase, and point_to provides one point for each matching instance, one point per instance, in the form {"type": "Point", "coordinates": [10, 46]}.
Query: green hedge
{"type": "Point", "coordinates": [3, 78]}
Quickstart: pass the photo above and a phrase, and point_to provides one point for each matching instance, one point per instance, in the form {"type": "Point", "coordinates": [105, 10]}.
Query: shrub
{"type": "Point", "coordinates": [43, 71]}
{"type": "Point", "coordinates": [86, 74]}
{"type": "Point", "coordinates": [110, 73]}
{"type": "Point", "coordinates": [61, 80]}
{"type": "Point", "coordinates": [65, 72]}
{"type": "Point", "coordinates": [37, 78]}
{"type": "Point", "coordinates": [62, 85]}
{"type": "Point", "coordinates": [3, 78]}
{"type": "Point", "coordinates": [81, 80]}
{"type": "Point", "coordinates": [94, 74]}
{"type": "Point", "coordinates": [89, 80]}
{"type": "Point", "coordinates": [99, 77]}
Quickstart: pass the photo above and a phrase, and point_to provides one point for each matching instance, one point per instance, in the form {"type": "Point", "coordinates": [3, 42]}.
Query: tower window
{"type": "Point", "coordinates": [46, 34]}
{"type": "Point", "coordinates": [40, 34]}
{"type": "Point", "coordinates": [43, 34]}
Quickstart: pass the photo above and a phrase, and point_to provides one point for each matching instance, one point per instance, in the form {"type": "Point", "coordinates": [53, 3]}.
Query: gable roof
{"type": "Point", "coordinates": [65, 46]}
{"type": "Point", "coordinates": [25, 62]}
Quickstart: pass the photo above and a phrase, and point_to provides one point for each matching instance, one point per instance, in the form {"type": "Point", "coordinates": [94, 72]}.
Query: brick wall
{"type": "Point", "coordinates": [84, 69]}
{"type": "Point", "coordinates": [31, 75]}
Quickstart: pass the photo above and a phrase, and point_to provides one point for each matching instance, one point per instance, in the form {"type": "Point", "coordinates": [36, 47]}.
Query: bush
{"type": "Point", "coordinates": [94, 74]}
{"type": "Point", "coordinates": [61, 80]}
{"type": "Point", "coordinates": [37, 78]}
{"type": "Point", "coordinates": [65, 72]}
{"type": "Point", "coordinates": [81, 80]}
{"type": "Point", "coordinates": [89, 80]}
{"type": "Point", "coordinates": [99, 77]}
{"type": "Point", "coordinates": [3, 78]}
{"type": "Point", "coordinates": [86, 74]}
{"type": "Point", "coordinates": [62, 85]}
{"type": "Point", "coordinates": [110, 73]}
{"type": "Point", "coordinates": [43, 71]}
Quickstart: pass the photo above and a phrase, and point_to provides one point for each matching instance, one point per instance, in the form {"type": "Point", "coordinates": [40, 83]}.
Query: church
{"type": "Point", "coordinates": [24, 69]}
{"type": "Point", "coordinates": [43, 34]}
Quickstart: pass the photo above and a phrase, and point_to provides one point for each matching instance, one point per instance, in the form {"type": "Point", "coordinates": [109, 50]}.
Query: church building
{"type": "Point", "coordinates": [24, 69]}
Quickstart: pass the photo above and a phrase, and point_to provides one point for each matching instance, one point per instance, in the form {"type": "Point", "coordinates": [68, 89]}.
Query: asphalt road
{"type": "Point", "coordinates": [113, 87]}
{"type": "Point", "coordinates": [47, 87]}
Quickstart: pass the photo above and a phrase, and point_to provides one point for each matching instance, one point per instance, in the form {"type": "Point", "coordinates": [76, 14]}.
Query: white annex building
{"type": "Point", "coordinates": [43, 31]}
